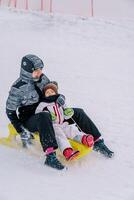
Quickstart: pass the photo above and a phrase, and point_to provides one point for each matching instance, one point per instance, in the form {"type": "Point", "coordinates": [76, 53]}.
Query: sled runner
{"type": "Point", "coordinates": [13, 141]}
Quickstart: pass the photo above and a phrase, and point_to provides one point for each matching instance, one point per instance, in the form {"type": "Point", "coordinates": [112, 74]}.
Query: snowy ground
{"type": "Point", "coordinates": [93, 62]}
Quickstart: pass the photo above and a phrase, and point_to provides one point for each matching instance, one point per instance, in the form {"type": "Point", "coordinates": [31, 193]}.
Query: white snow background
{"type": "Point", "coordinates": [93, 61]}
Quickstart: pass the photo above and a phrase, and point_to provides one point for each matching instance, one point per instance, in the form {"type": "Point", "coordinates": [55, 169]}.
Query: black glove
{"type": "Point", "coordinates": [61, 100]}
{"type": "Point", "coordinates": [25, 137]}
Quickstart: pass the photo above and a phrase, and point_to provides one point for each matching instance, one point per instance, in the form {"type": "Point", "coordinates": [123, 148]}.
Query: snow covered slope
{"type": "Point", "coordinates": [93, 62]}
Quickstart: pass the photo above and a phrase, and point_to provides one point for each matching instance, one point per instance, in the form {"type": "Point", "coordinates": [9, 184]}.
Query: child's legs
{"type": "Point", "coordinates": [72, 132]}
{"type": "Point", "coordinates": [61, 138]}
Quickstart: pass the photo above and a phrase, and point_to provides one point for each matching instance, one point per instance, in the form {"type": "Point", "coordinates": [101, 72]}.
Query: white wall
{"type": "Point", "coordinates": [102, 8]}
{"type": "Point", "coordinates": [114, 8]}
{"type": "Point", "coordinates": [78, 7]}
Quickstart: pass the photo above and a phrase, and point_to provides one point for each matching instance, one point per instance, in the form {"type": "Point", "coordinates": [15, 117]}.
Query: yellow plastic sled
{"type": "Point", "coordinates": [11, 141]}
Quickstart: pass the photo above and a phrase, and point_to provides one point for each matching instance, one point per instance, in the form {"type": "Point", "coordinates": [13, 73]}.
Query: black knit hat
{"type": "Point", "coordinates": [31, 62]}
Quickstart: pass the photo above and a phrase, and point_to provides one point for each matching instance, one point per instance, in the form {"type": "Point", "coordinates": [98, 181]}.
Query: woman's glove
{"type": "Point", "coordinates": [25, 137]}
{"type": "Point", "coordinates": [61, 100]}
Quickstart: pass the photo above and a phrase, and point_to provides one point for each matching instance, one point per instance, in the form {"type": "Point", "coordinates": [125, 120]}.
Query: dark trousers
{"type": "Point", "coordinates": [85, 123]}
{"type": "Point", "coordinates": [42, 123]}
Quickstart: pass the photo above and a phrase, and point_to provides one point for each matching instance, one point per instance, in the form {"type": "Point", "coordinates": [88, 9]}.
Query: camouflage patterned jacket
{"type": "Point", "coordinates": [23, 98]}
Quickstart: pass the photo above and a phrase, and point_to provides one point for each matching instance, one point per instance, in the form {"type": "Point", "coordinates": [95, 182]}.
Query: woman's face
{"type": "Point", "coordinates": [37, 73]}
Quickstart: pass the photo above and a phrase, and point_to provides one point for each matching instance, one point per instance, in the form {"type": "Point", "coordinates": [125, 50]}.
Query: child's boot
{"type": "Point", "coordinates": [88, 140]}
{"type": "Point", "coordinates": [70, 154]}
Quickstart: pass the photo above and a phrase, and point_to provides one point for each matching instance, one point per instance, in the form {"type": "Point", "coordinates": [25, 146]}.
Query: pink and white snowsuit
{"type": "Point", "coordinates": [62, 129]}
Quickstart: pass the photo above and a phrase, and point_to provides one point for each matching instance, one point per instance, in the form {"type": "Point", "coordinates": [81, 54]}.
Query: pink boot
{"type": "Point", "coordinates": [88, 140]}
{"type": "Point", "coordinates": [70, 154]}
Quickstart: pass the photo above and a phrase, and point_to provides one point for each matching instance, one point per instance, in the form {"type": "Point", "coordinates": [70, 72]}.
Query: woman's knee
{"type": "Point", "coordinates": [44, 116]}
{"type": "Point", "coordinates": [78, 110]}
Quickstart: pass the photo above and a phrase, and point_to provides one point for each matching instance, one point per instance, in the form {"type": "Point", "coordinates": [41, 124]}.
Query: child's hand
{"type": "Point", "coordinates": [53, 116]}
{"type": "Point", "coordinates": [68, 113]}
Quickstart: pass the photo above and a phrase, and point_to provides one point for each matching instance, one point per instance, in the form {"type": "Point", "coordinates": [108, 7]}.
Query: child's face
{"type": "Point", "coordinates": [49, 92]}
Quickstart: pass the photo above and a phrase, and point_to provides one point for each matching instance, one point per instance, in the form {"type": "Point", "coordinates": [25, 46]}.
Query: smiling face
{"type": "Point", "coordinates": [49, 92]}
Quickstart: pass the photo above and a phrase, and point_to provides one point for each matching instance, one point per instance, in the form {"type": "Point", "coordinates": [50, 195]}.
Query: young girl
{"type": "Point", "coordinates": [63, 131]}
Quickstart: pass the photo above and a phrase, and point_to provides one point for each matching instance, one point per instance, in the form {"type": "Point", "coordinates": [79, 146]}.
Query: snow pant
{"type": "Point", "coordinates": [65, 131]}
{"type": "Point", "coordinates": [85, 123]}
{"type": "Point", "coordinates": [42, 123]}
